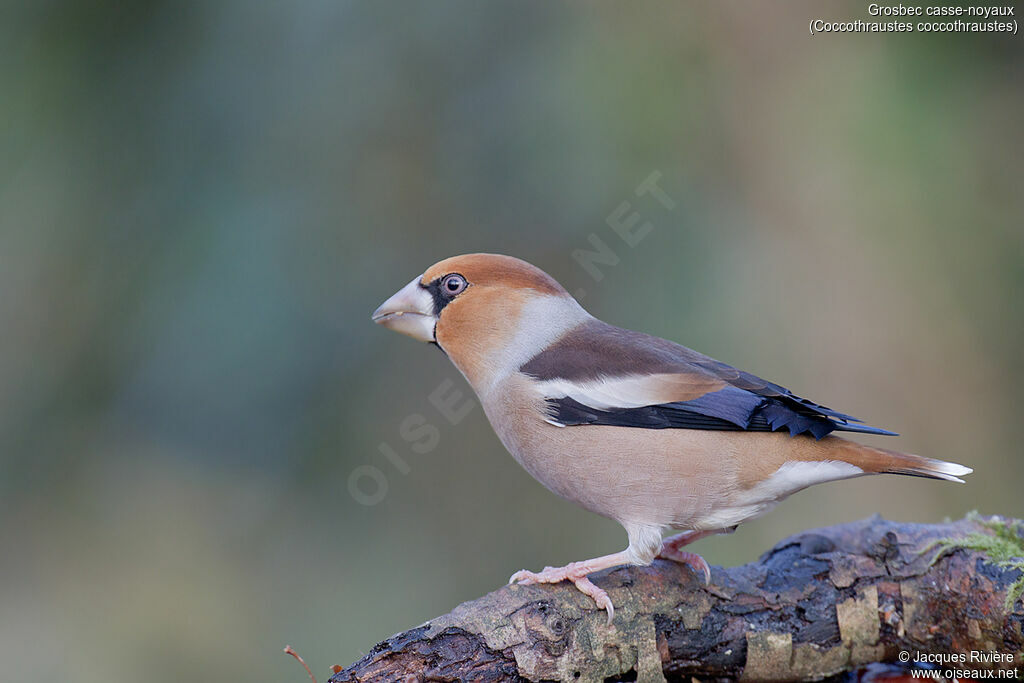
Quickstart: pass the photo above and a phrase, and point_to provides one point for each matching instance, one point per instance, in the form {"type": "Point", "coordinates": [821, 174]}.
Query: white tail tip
{"type": "Point", "coordinates": [950, 471]}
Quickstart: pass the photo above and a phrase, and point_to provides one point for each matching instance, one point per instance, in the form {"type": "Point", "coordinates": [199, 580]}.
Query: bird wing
{"type": "Point", "coordinates": [604, 375]}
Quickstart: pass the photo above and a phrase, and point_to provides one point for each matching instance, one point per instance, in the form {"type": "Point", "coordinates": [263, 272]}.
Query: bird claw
{"type": "Point", "coordinates": [600, 597]}
{"type": "Point", "coordinates": [523, 577]}
{"type": "Point", "coordinates": [577, 574]}
{"type": "Point", "coordinates": [693, 560]}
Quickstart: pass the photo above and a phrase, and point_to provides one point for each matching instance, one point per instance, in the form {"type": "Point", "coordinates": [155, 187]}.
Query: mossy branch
{"type": "Point", "coordinates": [1004, 546]}
{"type": "Point", "coordinates": [817, 604]}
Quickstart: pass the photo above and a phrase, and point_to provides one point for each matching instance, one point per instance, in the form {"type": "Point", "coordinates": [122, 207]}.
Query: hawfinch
{"type": "Point", "coordinates": [630, 426]}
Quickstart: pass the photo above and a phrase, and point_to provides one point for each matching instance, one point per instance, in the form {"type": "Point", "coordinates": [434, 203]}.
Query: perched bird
{"type": "Point", "coordinates": [636, 428]}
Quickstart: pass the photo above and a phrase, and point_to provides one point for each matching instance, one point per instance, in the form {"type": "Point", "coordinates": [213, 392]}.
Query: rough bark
{"type": "Point", "coordinates": [817, 604]}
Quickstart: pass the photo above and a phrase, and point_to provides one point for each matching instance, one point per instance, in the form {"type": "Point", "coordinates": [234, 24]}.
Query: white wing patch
{"type": "Point", "coordinates": [633, 391]}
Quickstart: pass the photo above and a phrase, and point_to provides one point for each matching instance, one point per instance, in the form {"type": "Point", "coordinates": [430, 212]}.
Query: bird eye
{"type": "Point", "coordinates": [453, 284]}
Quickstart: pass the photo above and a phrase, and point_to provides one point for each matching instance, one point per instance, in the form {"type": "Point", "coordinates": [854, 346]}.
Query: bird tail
{"type": "Point", "coordinates": [882, 461]}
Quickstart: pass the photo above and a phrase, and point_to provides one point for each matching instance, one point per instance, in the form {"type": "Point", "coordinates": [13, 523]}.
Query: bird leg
{"type": "Point", "coordinates": [670, 549]}
{"type": "Point", "coordinates": [577, 573]}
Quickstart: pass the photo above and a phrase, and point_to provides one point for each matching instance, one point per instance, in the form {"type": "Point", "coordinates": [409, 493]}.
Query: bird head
{"type": "Point", "coordinates": [486, 311]}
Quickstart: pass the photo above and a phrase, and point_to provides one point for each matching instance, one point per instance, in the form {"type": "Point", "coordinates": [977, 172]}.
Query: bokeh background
{"type": "Point", "coordinates": [201, 203]}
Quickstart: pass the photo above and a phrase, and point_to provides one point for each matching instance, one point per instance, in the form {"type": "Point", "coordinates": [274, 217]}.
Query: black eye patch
{"type": "Point", "coordinates": [442, 297]}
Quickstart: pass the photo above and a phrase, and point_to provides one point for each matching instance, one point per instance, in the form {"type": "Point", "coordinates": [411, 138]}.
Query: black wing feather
{"type": "Point", "coordinates": [748, 403]}
{"type": "Point", "coordinates": [772, 416]}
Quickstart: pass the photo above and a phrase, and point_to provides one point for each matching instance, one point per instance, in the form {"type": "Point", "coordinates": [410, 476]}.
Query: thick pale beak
{"type": "Point", "coordinates": [409, 311]}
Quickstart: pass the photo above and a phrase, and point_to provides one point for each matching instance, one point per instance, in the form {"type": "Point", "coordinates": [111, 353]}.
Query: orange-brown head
{"type": "Point", "coordinates": [486, 311]}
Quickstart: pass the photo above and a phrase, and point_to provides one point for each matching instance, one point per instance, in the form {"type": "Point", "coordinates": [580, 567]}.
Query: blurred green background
{"type": "Point", "coordinates": [201, 204]}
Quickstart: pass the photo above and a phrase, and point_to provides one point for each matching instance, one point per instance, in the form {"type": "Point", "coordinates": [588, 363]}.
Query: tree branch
{"type": "Point", "coordinates": [819, 603]}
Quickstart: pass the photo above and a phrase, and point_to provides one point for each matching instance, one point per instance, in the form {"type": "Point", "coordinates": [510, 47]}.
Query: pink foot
{"type": "Point", "coordinates": [670, 550]}
{"type": "Point", "coordinates": [694, 560]}
{"type": "Point", "coordinates": [575, 572]}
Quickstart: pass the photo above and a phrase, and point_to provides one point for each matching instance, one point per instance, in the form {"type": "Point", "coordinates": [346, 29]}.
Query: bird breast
{"type": "Point", "coordinates": [642, 476]}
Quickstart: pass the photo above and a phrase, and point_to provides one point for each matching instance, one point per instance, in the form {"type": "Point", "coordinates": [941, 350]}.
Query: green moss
{"type": "Point", "coordinates": [1004, 546]}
